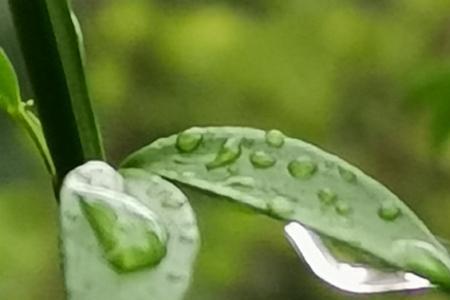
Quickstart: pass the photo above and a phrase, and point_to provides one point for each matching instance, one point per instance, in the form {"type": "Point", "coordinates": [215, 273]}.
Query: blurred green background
{"type": "Point", "coordinates": [367, 80]}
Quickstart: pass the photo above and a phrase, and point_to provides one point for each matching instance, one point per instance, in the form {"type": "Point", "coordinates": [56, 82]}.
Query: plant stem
{"type": "Point", "coordinates": [53, 57]}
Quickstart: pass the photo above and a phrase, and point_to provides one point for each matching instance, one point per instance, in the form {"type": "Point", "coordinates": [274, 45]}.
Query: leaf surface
{"type": "Point", "coordinates": [292, 180]}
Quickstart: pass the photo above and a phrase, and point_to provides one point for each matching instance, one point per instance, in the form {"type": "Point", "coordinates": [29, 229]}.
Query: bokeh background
{"type": "Point", "coordinates": [367, 80]}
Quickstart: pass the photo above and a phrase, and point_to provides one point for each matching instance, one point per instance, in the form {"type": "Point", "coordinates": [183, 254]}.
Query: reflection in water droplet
{"type": "Point", "coordinates": [302, 168]}
{"type": "Point", "coordinates": [342, 207]}
{"type": "Point", "coordinates": [261, 159]}
{"type": "Point", "coordinates": [188, 141]}
{"type": "Point", "coordinates": [243, 181]}
{"type": "Point", "coordinates": [388, 211]}
{"type": "Point", "coordinates": [280, 206]}
{"type": "Point", "coordinates": [423, 259]}
{"type": "Point", "coordinates": [130, 240]}
{"type": "Point", "coordinates": [228, 153]}
{"type": "Point", "coordinates": [327, 196]}
{"type": "Point", "coordinates": [275, 138]}
{"type": "Point", "coordinates": [347, 175]}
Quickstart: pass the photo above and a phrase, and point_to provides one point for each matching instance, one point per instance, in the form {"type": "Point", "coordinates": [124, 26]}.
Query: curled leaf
{"type": "Point", "coordinates": [125, 236]}
{"type": "Point", "coordinates": [292, 180]}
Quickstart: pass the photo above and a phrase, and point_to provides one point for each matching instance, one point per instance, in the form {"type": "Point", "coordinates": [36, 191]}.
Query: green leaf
{"type": "Point", "coordinates": [11, 102]}
{"type": "Point", "coordinates": [125, 236]}
{"type": "Point", "coordinates": [9, 86]}
{"type": "Point", "coordinates": [292, 180]}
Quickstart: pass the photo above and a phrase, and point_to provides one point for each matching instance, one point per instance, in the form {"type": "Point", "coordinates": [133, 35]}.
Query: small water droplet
{"type": "Point", "coordinates": [275, 138]}
{"type": "Point", "coordinates": [175, 276]}
{"type": "Point", "coordinates": [389, 211]}
{"type": "Point", "coordinates": [188, 174]}
{"type": "Point", "coordinates": [170, 200]}
{"type": "Point", "coordinates": [188, 235]}
{"type": "Point", "coordinates": [347, 175]}
{"type": "Point", "coordinates": [233, 170]}
{"type": "Point", "coordinates": [242, 181]}
{"type": "Point", "coordinates": [342, 207]}
{"type": "Point", "coordinates": [228, 153]}
{"type": "Point", "coordinates": [280, 206]}
{"type": "Point", "coordinates": [188, 141]}
{"type": "Point", "coordinates": [261, 159]}
{"type": "Point", "coordinates": [327, 196]}
{"type": "Point", "coordinates": [129, 241]}
{"type": "Point", "coordinates": [302, 167]}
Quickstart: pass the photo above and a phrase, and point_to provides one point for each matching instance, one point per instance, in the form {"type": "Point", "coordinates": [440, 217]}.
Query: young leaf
{"type": "Point", "coordinates": [125, 236]}
{"type": "Point", "coordinates": [9, 87]}
{"type": "Point", "coordinates": [11, 102]}
{"type": "Point", "coordinates": [292, 180]}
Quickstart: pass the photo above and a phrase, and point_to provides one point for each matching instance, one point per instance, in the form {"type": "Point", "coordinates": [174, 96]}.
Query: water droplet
{"type": "Point", "coordinates": [188, 174]}
{"type": "Point", "coordinates": [170, 200]}
{"type": "Point", "coordinates": [233, 170]}
{"type": "Point", "coordinates": [342, 207]}
{"type": "Point", "coordinates": [423, 259]}
{"type": "Point", "coordinates": [261, 159]}
{"type": "Point", "coordinates": [130, 240]}
{"type": "Point", "coordinates": [175, 276]}
{"type": "Point", "coordinates": [388, 211]}
{"type": "Point", "coordinates": [280, 206]}
{"type": "Point", "coordinates": [188, 235]}
{"type": "Point", "coordinates": [347, 175]}
{"type": "Point", "coordinates": [228, 153]}
{"type": "Point", "coordinates": [243, 181]}
{"type": "Point", "coordinates": [327, 196]}
{"type": "Point", "coordinates": [188, 141]}
{"type": "Point", "coordinates": [275, 138]}
{"type": "Point", "coordinates": [247, 142]}
{"type": "Point", "coordinates": [302, 167]}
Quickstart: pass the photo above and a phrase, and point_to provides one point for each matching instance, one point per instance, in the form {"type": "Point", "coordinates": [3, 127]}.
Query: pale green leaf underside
{"type": "Point", "coordinates": [293, 180]}
{"type": "Point", "coordinates": [88, 274]}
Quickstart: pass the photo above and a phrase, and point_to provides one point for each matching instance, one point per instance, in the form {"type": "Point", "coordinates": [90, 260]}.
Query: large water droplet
{"type": "Point", "coordinates": [280, 206]}
{"type": "Point", "coordinates": [275, 138]}
{"type": "Point", "coordinates": [343, 207]}
{"type": "Point", "coordinates": [188, 141]}
{"type": "Point", "coordinates": [347, 175]}
{"type": "Point", "coordinates": [327, 196]}
{"type": "Point", "coordinates": [302, 167]}
{"type": "Point", "coordinates": [228, 153]}
{"type": "Point", "coordinates": [424, 259]}
{"type": "Point", "coordinates": [389, 211]}
{"type": "Point", "coordinates": [261, 159]}
{"type": "Point", "coordinates": [130, 240]}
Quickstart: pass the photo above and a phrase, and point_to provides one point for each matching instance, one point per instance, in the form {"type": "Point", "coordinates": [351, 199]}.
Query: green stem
{"type": "Point", "coordinates": [51, 50]}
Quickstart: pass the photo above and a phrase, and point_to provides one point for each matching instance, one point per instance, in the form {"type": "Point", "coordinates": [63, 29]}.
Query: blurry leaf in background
{"type": "Point", "coordinates": [431, 89]}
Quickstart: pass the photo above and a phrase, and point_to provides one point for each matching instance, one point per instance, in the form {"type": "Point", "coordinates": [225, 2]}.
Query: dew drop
{"type": "Point", "coordinates": [242, 181]}
{"type": "Point", "coordinates": [175, 276]}
{"type": "Point", "coordinates": [261, 159]}
{"type": "Point", "coordinates": [327, 196]}
{"type": "Point", "coordinates": [302, 167]}
{"type": "Point", "coordinates": [347, 175]}
{"type": "Point", "coordinates": [388, 211]}
{"type": "Point", "coordinates": [228, 153]}
{"type": "Point", "coordinates": [280, 206]}
{"type": "Point", "coordinates": [130, 241]}
{"type": "Point", "coordinates": [169, 200]}
{"type": "Point", "coordinates": [275, 138]}
{"type": "Point", "coordinates": [188, 141]}
{"type": "Point", "coordinates": [342, 207]}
